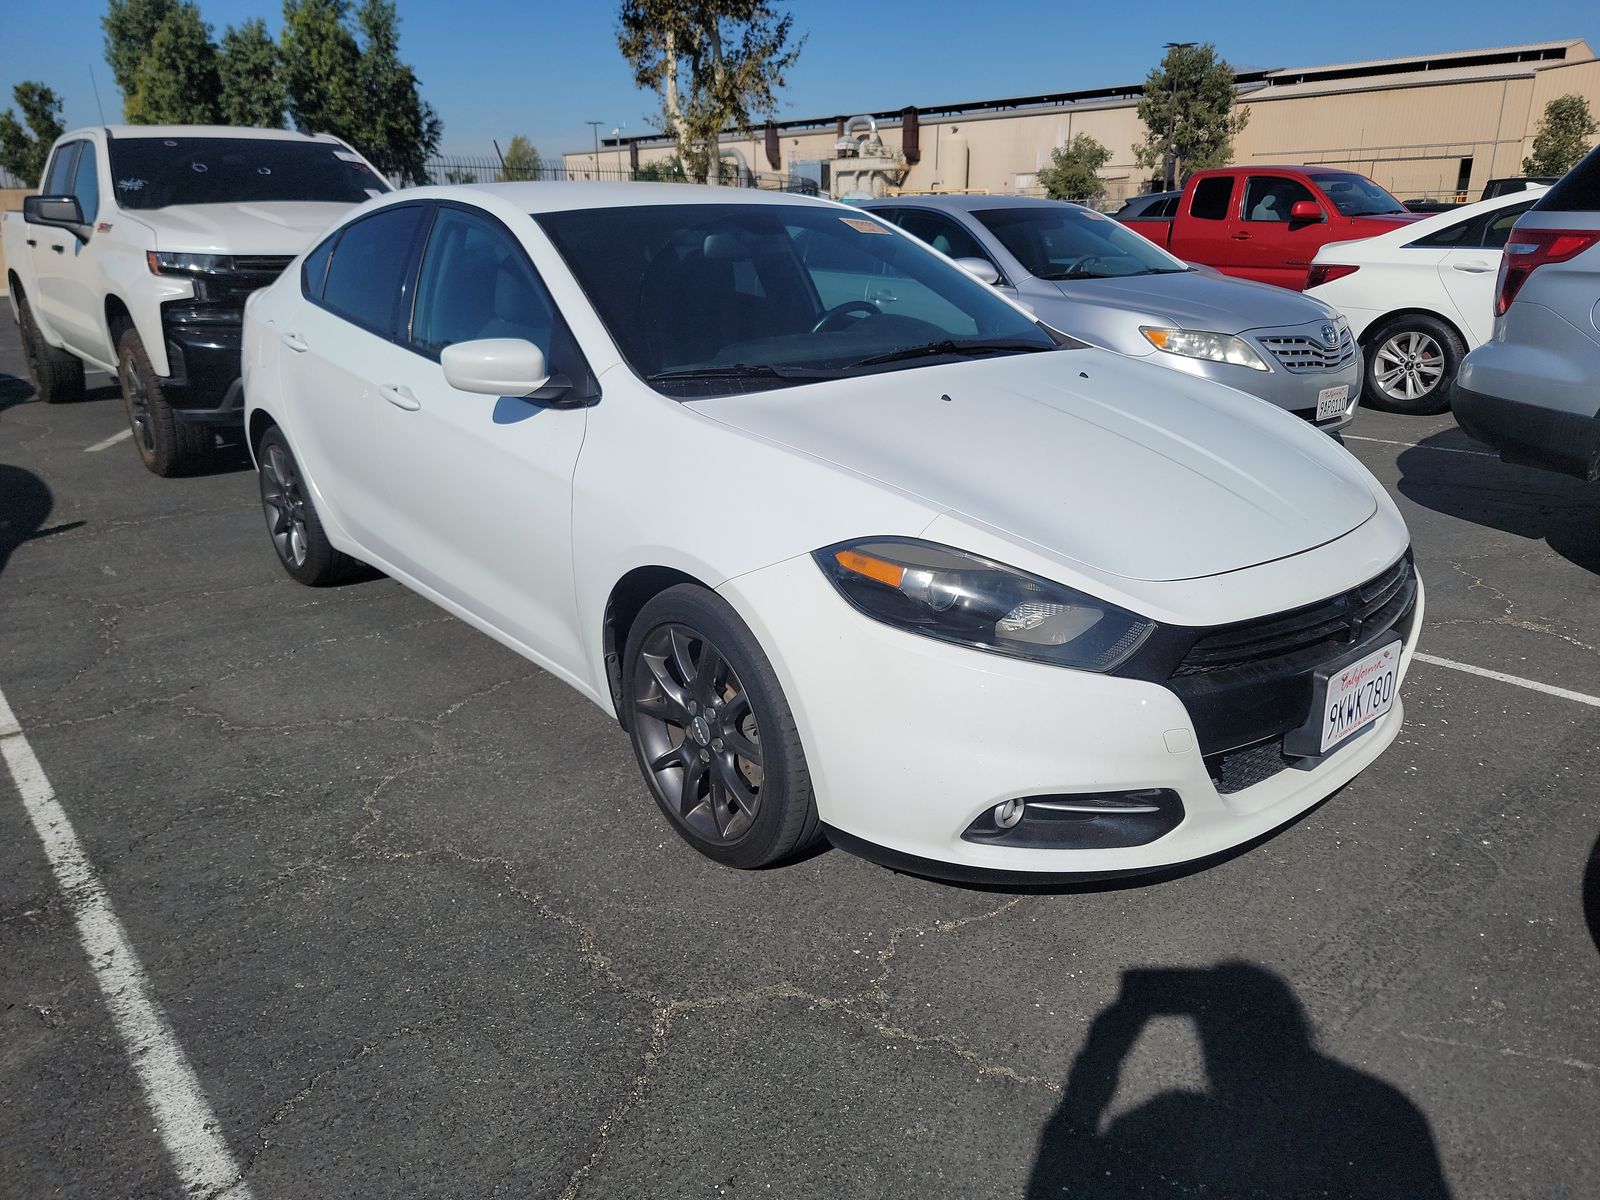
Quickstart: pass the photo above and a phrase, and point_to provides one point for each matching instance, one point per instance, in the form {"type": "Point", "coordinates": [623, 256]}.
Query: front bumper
{"type": "Point", "coordinates": [1295, 391]}
{"type": "Point", "coordinates": [202, 384]}
{"type": "Point", "coordinates": [910, 740]}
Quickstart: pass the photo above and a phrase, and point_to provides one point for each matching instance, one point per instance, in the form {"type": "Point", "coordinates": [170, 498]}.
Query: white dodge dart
{"type": "Point", "coordinates": [938, 584]}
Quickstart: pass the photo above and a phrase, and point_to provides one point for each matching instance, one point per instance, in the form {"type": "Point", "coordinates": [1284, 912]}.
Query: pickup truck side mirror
{"type": "Point", "coordinates": [58, 212]}
{"type": "Point", "coordinates": [1306, 210]}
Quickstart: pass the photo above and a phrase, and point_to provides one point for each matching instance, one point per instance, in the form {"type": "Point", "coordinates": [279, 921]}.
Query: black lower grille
{"type": "Point", "coordinates": [1237, 770]}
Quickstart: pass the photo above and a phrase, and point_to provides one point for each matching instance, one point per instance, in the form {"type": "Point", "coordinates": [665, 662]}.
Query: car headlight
{"type": "Point", "coordinates": [168, 262]}
{"type": "Point", "coordinates": [1213, 347]}
{"type": "Point", "coordinates": [958, 597]}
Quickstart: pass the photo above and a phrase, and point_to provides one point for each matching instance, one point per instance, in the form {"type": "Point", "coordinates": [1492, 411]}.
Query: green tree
{"type": "Point", "coordinates": [176, 81]}
{"type": "Point", "coordinates": [252, 84]}
{"type": "Point", "coordinates": [1563, 137]}
{"type": "Point", "coordinates": [662, 170]}
{"type": "Point", "coordinates": [1073, 172]}
{"type": "Point", "coordinates": [400, 130]}
{"type": "Point", "coordinates": [130, 26]}
{"type": "Point", "coordinates": [714, 63]}
{"type": "Point", "coordinates": [25, 144]}
{"type": "Point", "coordinates": [321, 67]}
{"type": "Point", "coordinates": [521, 160]}
{"type": "Point", "coordinates": [1189, 114]}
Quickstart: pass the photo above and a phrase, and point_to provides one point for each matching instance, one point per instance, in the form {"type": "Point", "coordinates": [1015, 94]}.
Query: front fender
{"type": "Point", "coordinates": [142, 294]}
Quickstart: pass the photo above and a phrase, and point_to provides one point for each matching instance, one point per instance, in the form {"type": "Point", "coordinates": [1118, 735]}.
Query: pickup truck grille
{"type": "Point", "coordinates": [1302, 354]}
{"type": "Point", "coordinates": [269, 265]}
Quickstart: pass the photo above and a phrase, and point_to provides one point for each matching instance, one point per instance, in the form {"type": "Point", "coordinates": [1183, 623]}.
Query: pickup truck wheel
{"type": "Point", "coordinates": [1411, 365]}
{"type": "Point", "coordinates": [167, 445]}
{"type": "Point", "coordinates": [296, 531]}
{"type": "Point", "coordinates": [57, 376]}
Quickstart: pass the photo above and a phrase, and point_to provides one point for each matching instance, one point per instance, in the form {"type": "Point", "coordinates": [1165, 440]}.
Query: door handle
{"type": "Point", "coordinates": [295, 342]}
{"type": "Point", "coordinates": [58, 247]}
{"type": "Point", "coordinates": [1242, 237]}
{"type": "Point", "coordinates": [1472, 268]}
{"type": "Point", "coordinates": [400, 397]}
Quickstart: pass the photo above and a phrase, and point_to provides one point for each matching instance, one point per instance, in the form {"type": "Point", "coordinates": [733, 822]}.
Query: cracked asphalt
{"type": "Point", "coordinates": [421, 933]}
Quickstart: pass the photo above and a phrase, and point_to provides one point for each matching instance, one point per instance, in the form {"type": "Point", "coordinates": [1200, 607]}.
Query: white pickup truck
{"type": "Point", "coordinates": [138, 253]}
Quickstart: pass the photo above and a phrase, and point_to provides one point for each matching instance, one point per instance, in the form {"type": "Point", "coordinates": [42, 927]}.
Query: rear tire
{"type": "Point", "coordinates": [166, 445]}
{"type": "Point", "coordinates": [1411, 365]}
{"type": "Point", "coordinates": [57, 376]}
{"type": "Point", "coordinates": [713, 734]}
{"type": "Point", "coordinates": [296, 531]}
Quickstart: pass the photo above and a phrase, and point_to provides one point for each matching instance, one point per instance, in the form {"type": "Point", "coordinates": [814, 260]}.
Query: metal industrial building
{"type": "Point", "coordinates": [1437, 125]}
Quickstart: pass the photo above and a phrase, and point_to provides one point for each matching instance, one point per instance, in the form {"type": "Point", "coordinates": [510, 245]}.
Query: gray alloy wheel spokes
{"type": "Point", "coordinates": [285, 506]}
{"type": "Point", "coordinates": [1408, 366]}
{"type": "Point", "coordinates": [138, 404]}
{"type": "Point", "coordinates": [697, 732]}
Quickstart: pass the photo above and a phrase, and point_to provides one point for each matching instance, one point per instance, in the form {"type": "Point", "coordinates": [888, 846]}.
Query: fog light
{"type": "Point", "coordinates": [1006, 815]}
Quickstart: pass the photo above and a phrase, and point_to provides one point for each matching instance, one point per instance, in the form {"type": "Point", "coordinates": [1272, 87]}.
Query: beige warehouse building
{"type": "Point", "coordinates": [1435, 125]}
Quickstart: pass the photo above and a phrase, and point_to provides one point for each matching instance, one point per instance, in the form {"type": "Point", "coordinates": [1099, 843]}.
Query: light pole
{"type": "Point", "coordinates": [1169, 171]}
{"type": "Point", "coordinates": [595, 128]}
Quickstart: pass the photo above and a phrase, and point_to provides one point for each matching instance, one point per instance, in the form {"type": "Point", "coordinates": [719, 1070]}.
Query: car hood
{"type": "Point", "coordinates": [1194, 300]}
{"type": "Point", "coordinates": [281, 227]}
{"type": "Point", "coordinates": [1120, 466]}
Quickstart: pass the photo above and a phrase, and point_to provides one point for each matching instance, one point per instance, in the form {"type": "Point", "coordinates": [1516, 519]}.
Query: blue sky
{"type": "Point", "coordinates": [494, 68]}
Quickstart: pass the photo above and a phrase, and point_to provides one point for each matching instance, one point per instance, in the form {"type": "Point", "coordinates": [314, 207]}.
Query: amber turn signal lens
{"type": "Point", "coordinates": [873, 568]}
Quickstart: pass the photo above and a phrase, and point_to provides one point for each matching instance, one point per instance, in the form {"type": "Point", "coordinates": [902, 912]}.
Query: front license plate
{"type": "Point", "coordinates": [1357, 694]}
{"type": "Point", "coordinates": [1333, 402]}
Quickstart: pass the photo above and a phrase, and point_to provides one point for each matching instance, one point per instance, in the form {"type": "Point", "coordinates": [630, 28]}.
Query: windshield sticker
{"type": "Point", "coordinates": [863, 226]}
{"type": "Point", "coordinates": [346, 156]}
{"type": "Point", "coordinates": [130, 185]}
{"type": "Point", "coordinates": [372, 193]}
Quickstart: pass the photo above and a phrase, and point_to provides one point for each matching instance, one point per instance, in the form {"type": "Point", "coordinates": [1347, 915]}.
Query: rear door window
{"type": "Point", "coordinates": [1486, 231]}
{"type": "Point", "coordinates": [370, 274]}
{"type": "Point", "coordinates": [1211, 198]}
{"type": "Point", "coordinates": [1576, 191]}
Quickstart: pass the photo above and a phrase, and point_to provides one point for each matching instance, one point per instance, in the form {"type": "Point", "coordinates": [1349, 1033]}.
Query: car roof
{"type": "Point", "coordinates": [131, 132]}
{"type": "Point", "coordinates": [557, 196]}
{"type": "Point", "coordinates": [965, 203]}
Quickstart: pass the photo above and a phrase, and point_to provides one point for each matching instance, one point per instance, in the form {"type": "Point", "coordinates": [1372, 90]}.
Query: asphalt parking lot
{"type": "Point", "coordinates": [418, 930]}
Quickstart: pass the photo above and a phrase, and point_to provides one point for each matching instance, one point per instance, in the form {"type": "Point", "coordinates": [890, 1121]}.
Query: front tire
{"type": "Point", "coordinates": [296, 531]}
{"type": "Point", "coordinates": [1411, 365]}
{"type": "Point", "coordinates": [57, 376]}
{"type": "Point", "coordinates": [713, 734]}
{"type": "Point", "coordinates": [166, 445]}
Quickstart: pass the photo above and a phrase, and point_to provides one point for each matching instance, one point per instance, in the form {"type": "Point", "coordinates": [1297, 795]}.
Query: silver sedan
{"type": "Point", "coordinates": [1088, 276]}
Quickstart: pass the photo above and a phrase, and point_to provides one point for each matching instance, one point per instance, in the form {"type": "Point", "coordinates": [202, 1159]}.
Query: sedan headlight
{"type": "Point", "coordinates": [958, 597]}
{"type": "Point", "coordinates": [1213, 347]}
{"type": "Point", "coordinates": [168, 262]}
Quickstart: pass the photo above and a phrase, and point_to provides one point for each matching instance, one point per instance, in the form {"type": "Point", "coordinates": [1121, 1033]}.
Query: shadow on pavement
{"type": "Point", "coordinates": [1279, 1119]}
{"type": "Point", "coordinates": [1541, 505]}
{"type": "Point", "coordinates": [1591, 894]}
{"type": "Point", "coordinates": [25, 499]}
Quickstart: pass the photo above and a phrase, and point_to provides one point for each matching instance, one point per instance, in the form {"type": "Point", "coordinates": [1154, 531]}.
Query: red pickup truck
{"type": "Point", "coordinates": [1267, 223]}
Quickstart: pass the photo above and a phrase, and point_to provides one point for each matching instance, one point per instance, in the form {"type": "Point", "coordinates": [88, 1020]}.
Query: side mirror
{"type": "Point", "coordinates": [57, 212]}
{"type": "Point", "coordinates": [500, 367]}
{"type": "Point", "coordinates": [980, 269]}
{"type": "Point", "coordinates": [1305, 210]}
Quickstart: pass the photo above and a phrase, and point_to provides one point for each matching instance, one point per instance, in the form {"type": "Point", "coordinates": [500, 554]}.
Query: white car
{"type": "Point", "coordinates": [960, 592]}
{"type": "Point", "coordinates": [1419, 297]}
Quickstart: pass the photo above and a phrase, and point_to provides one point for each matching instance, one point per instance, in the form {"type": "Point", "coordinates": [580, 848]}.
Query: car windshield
{"type": "Point", "coordinates": [1065, 242]}
{"type": "Point", "coordinates": [1356, 195]}
{"type": "Point", "coordinates": [705, 299]}
{"type": "Point", "coordinates": [150, 172]}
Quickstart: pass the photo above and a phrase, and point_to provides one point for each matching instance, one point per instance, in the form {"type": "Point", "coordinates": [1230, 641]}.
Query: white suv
{"type": "Point", "coordinates": [1533, 390]}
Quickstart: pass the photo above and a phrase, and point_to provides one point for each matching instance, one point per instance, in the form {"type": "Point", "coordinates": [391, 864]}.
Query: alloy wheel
{"type": "Point", "coordinates": [1408, 366]}
{"type": "Point", "coordinates": [696, 730]}
{"type": "Point", "coordinates": [285, 506]}
{"type": "Point", "coordinates": [138, 404]}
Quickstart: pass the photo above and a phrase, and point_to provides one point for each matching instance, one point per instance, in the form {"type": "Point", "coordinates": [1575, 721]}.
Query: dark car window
{"type": "Point", "coordinates": [476, 282]}
{"type": "Point", "coordinates": [1356, 195]}
{"type": "Point", "coordinates": [1576, 191]}
{"type": "Point", "coordinates": [86, 184]}
{"type": "Point", "coordinates": [63, 165]}
{"type": "Point", "coordinates": [1211, 197]}
{"type": "Point", "coordinates": [941, 232]}
{"type": "Point", "coordinates": [1167, 208]}
{"type": "Point", "coordinates": [1270, 197]}
{"type": "Point", "coordinates": [1486, 231]}
{"type": "Point", "coordinates": [153, 172]}
{"type": "Point", "coordinates": [1062, 241]}
{"type": "Point", "coordinates": [371, 268]}
{"type": "Point", "coordinates": [314, 270]}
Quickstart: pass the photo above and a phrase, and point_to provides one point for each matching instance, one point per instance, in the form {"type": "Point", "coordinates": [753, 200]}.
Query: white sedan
{"type": "Point", "coordinates": [1419, 297]}
{"type": "Point", "coordinates": [948, 588]}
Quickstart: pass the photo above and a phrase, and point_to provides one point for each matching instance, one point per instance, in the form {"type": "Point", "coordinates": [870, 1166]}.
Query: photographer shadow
{"type": "Point", "coordinates": [1280, 1119]}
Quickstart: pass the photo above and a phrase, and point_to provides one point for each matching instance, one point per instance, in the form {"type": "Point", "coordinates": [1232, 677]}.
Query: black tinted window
{"type": "Point", "coordinates": [1166, 208]}
{"type": "Point", "coordinates": [63, 164]}
{"type": "Point", "coordinates": [152, 172]}
{"type": "Point", "coordinates": [371, 267]}
{"type": "Point", "coordinates": [476, 282]}
{"type": "Point", "coordinates": [940, 232]}
{"type": "Point", "coordinates": [1211, 197]}
{"type": "Point", "coordinates": [86, 185]}
{"type": "Point", "coordinates": [1487, 231]}
{"type": "Point", "coordinates": [315, 269]}
{"type": "Point", "coordinates": [1576, 191]}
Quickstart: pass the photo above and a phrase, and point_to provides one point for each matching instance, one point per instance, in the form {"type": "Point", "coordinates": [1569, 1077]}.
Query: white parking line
{"type": "Point", "coordinates": [183, 1115]}
{"type": "Point", "coordinates": [110, 441]}
{"type": "Point", "coordinates": [1531, 684]}
{"type": "Point", "coordinates": [1350, 437]}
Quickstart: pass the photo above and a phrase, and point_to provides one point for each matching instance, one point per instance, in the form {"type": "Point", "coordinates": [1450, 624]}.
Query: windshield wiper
{"type": "Point", "coordinates": [739, 371]}
{"type": "Point", "coordinates": [948, 347]}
